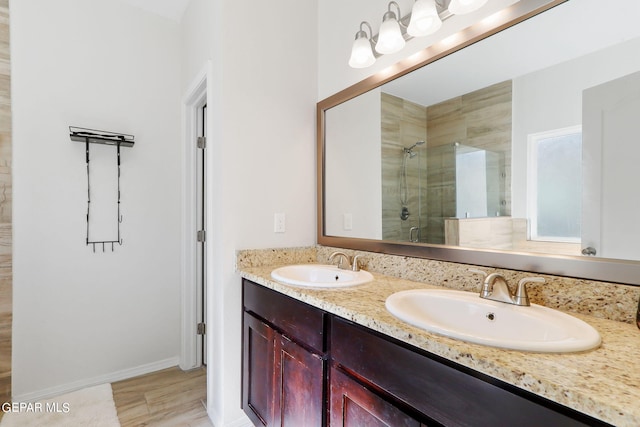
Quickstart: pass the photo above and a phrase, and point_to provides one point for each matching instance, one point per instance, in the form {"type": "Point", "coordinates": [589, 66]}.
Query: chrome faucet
{"type": "Point", "coordinates": [356, 263]}
{"type": "Point", "coordinates": [495, 288]}
{"type": "Point", "coordinates": [353, 265]}
{"type": "Point", "coordinates": [342, 257]}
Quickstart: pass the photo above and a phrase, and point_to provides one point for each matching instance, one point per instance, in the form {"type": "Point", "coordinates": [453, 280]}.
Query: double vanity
{"type": "Point", "coordinates": [335, 353]}
{"type": "Point", "coordinates": [418, 339]}
{"type": "Point", "coordinates": [495, 317]}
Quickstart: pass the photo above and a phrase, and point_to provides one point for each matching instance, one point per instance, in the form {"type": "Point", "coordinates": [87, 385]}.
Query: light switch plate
{"type": "Point", "coordinates": [348, 221]}
{"type": "Point", "coordinates": [279, 225]}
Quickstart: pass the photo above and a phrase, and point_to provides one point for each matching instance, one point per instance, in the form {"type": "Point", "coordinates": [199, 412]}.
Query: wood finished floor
{"type": "Point", "coordinates": [170, 398]}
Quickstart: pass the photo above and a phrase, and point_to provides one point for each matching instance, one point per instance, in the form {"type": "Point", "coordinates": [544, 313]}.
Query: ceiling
{"type": "Point", "coordinates": [571, 30]}
{"type": "Point", "coordinates": [171, 9]}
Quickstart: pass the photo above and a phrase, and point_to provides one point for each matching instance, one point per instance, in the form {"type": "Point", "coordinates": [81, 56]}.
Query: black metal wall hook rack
{"type": "Point", "coordinates": [93, 136]}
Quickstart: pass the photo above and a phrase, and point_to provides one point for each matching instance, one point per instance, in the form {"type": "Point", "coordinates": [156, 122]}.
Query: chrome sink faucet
{"type": "Point", "coordinates": [349, 265]}
{"type": "Point", "coordinates": [495, 288]}
{"type": "Point", "coordinates": [342, 257]}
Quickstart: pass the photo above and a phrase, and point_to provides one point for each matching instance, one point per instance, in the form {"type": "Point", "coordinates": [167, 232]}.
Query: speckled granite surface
{"type": "Point", "coordinates": [604, 383]}
{"type": "Point", "coordinates": [598, 299]}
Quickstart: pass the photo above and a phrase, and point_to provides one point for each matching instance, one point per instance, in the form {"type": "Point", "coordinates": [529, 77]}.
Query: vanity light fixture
{"type": "Point", "coordinates": [362, 53]}
{"type": "Point", "coordinates": [390, 39]}
{"type": "Point", "coordinates": [425, 19]}
{"type": "Point", "coordinates": [460, 7]}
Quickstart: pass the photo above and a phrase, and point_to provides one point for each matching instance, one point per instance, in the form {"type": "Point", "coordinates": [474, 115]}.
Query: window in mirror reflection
{"type": "Point", "coordinates": [555, 185]}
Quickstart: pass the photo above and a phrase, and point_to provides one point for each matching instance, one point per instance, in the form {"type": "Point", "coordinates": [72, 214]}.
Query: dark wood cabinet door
{"type": "Point", "coordinates": [257, 377]}
{"type": "Point", "coordinates": [298, 397]}
{"type": "Point", "coordinates": [353, 405]}
{"type": "Point", "coordinates": [283, 382]}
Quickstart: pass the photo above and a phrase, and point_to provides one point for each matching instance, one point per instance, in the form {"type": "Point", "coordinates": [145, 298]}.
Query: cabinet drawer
{"type": "Point", "coordinates": [452, 396]}
{"type": "Point", "coordinates": [289, 316]}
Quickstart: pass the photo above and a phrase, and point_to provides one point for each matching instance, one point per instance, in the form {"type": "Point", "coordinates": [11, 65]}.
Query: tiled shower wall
{"type": "Point", "coordinates": [5, 206]}
{"type": "Point", "coordinates": [403, 124]}
{"type": "Point", "coordinates": [465, 119]}
{"type": "Point", "coordinates": [462, 119]}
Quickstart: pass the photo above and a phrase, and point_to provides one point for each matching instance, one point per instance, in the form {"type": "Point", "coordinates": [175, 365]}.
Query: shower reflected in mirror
{"type": "Point", "coordinates": [407, 154]}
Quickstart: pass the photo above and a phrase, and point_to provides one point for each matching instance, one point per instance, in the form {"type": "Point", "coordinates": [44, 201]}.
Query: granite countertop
{"type": "Point", "coordinates": [603, 383]}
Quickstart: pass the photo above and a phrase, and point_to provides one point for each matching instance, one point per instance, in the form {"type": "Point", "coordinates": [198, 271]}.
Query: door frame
{"type": "Point", "coordinates": [195, 97]}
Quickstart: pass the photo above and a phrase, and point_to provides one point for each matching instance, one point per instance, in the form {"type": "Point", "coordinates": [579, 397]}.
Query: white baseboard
{"type": "Point", "coordinates": [101, 379]}
{"type": "Point", "coordinates": [243, 421]}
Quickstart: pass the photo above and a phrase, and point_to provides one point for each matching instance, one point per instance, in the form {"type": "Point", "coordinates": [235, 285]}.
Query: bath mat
{"type": "Point", "coordinates": [89, 407]}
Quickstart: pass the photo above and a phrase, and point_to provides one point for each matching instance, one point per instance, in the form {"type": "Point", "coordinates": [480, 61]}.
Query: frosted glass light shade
{"type": "Point", "coordinates": [460, 7]}
{"type": "Point", "coordinates": [424, 19]}
{"type": "Point", "coordinates": [361, 52]}
{"type": "Point", "coordinates": [390, 39]}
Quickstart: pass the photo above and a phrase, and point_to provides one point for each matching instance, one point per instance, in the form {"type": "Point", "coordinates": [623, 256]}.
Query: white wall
{"type": "Point", "coordinates": [262, 149]}
{"type": "Point", "coordinates": [552, 99]}
{"type": "Point", "coordinates": [353, 131]}
{"type": "Point", "coordinates": [81, 317]}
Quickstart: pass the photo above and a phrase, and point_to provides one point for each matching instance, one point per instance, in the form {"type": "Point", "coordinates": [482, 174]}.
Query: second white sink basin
{"type": "Point", "coordinates": [466, 316]}
{"type": "Point", "coordinates": [320, 276]}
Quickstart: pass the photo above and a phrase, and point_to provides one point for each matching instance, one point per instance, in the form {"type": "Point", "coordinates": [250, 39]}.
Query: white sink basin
{"type": "Point", "coordinates": [466, 316]}
{"type": "Point", "coordinates": [320, 276]}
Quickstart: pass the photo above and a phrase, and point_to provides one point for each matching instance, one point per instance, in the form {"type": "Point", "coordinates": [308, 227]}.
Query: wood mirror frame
{"type": "Point", "coordinates": [601, 269]}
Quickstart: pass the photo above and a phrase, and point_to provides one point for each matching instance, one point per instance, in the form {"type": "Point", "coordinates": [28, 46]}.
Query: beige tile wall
{"type": "Point", "coordinates": [486, 233]}
{"type": "Point", "coordinates": [462, 119]}
{"type": "Point", "coordinates": [465, 119]}
{"type": "Point", "coordinates": [403, 124]}
{"type": "Point", "coordinates": [5, 206]}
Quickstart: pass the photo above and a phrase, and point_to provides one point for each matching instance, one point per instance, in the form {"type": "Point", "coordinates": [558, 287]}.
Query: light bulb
{"type": "Point", "coordinates": [424, 19]}
{"type": "Point", "coordinates": [361, 53]}
{"type": "Point", "coordinates": [460, 7]}
{"type": "Point", "coordinates": [390, 39]}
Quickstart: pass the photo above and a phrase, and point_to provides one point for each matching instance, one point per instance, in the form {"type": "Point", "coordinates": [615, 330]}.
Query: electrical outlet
{"type": "Point", "coordinates": [279, 223]}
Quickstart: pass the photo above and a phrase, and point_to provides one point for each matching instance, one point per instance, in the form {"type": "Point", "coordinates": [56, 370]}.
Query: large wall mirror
{"type": "Point", "coordinates": [518, 148]}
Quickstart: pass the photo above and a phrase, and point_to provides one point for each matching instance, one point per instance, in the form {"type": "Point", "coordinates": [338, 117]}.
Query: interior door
{"type": "Point", "coordinates": [611, 112]}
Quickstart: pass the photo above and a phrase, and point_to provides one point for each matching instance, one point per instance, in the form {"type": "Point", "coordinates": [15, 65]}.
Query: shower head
{"type": "Point", "coordinates": [408, 150]}
{"type": "Point", "coordinates": [414, 145]}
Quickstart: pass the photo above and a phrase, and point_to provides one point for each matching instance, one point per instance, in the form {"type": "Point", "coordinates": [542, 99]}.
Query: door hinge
{"type": "Point", "coordinates": [202, 142]}
{"type": "Point", "coordinates": [202, 236]}
{"type": "Point", "coordinates": [202, 328]}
